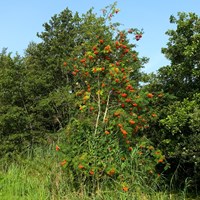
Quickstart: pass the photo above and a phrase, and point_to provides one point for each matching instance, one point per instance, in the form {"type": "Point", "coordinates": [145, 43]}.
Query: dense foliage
{"type": "Point", "coordinates": [177, 130]}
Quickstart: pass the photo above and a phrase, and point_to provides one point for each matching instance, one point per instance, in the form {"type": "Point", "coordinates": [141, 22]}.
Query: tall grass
{"type": "Point", "coordinates": [40, 178]}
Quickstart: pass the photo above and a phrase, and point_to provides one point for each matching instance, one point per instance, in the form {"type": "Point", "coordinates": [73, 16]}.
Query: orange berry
{"type": "Point", "coordinates": [130, 148]}
{"type": "Point", "coordinates": [94, 48]}
{"type": "Point", "coordinates": [124, 77]}
{"type": "Point", "coordinates": [65, 64]}
{"type": "Point", "coordinates": [131, 122]}
{"type": "Point", "coordinates": [101, 41]}
{"type": "Point", "coordinates": [74, 73]}
{"type": "Point", "coordinates": [107, 48]}
{"type": "Point", "coordinates": [117, 43]}
{"type": "Point", "coordinates": [120, 125]}
{"type": "Point", "coordinates": [117, 63]}
{"type": "Point", "coordinates": [129, 87]}
{"type": "Point", "coordinates": [149, 95]}
{"type": "Point", "coordinates": [151, 147]}
{"type": "Point", "coordinates": [124, 132]}
{"type": "Point", "coordinates": [80, 166]}
{"type": "Point", "coordinates": [117, 80]}
{"type": "Point", "coordinates": [91, 172]}
{"type": "Point", "coordinates": [124, 95]}
{"type": "Point", "coordinates": [160, 161]}
{"type": "Point", "coordinates": [83, 60]}
{"type": "Point", "coordinates": [57, 148]}
{"type": "Point", "coordinates": [107, 132]}
{"type": "Point", "coordinates": [157, 152]}
{"type": "Point", "coordinates": [122, 105]}
{"type": "Point", "coordinates": [103, 85]}
{"type": "Point", "coordinates": [107, 58]}
{"type": "Point", "coordinates": [111, 172]}
{"type": "Point", "coordinates": [125, 189]}
{"type": "Point", "coordinates": [126, 50]}
{"type": "Point", "coordinates": [91, 108]}
{"type": "Point", "coordinates": [90, 57]}
{"type": "Point", "coordinates": [128, 100]}
{"type": "Point", "coordinates": [116, 114]}
{"type": "Point", "coordinates": [63, 162]}
{"type": "Point", "coordinates": [94, 70]}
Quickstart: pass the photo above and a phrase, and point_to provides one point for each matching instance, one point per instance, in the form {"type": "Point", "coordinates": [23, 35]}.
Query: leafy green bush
{"type": "Point", "coordinates": [179, 139]}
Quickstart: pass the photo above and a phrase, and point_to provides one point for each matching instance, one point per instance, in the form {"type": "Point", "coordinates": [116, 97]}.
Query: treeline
{"type": "Point", "coordinates": [38, 92]}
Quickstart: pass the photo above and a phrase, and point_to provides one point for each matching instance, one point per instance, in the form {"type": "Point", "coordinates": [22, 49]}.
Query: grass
{"type": "Point", "coordinates": [40, 178]}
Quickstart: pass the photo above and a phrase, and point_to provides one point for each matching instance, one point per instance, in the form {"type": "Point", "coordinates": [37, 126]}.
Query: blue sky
{"type": "Point", "coordinates": [20, 20]}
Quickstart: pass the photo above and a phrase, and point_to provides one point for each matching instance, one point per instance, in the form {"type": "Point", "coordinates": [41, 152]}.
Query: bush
{"type": "Point", "coordinates": [178, 138]}
{"type": "Point", "coordinates": [105, 141]}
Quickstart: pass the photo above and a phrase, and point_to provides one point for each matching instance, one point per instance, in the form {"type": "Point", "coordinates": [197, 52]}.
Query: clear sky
{"type": "Point", "coordinates": [20, 20]}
